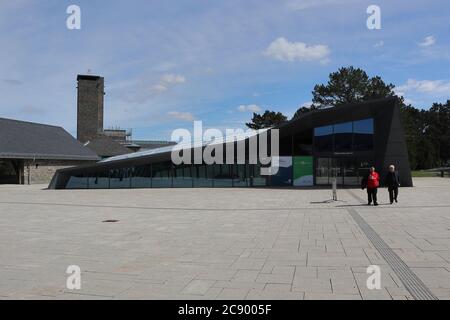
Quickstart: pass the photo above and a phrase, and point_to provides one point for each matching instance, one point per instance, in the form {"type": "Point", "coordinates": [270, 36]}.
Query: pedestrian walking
{"type": "Point", "coordinates": [392, 183]}
{"type": "Point", "coordinates": [371, 182]}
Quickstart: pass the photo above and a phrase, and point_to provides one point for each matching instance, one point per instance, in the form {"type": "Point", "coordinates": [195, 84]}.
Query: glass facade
{"type": "Point", "coordinates": [344, 137]}
{"type": "Point", "coordinates": [141, 177]}
{"type": "Point", "coordinates": [119, 178]}
{"type": "Point", "coordinates": [363, 135]}
{"type": "Point", "coordinates": [79, 181]}
{"type": "Point", "coordinates": [313, 148]}
{"type": "Point", "coordinates": [165, 175]}
{"type": "Point", "coordinates": [347, 171]}
{"type": "Point", "coordinates": [323, 139]}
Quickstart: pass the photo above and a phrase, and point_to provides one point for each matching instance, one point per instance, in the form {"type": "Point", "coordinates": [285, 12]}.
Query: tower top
{"type": "Point", "coordinates": [88, 77]}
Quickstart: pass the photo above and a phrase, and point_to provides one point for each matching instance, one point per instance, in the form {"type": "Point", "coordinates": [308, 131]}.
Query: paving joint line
{"type": "Point", "coordinates": [410, 280]}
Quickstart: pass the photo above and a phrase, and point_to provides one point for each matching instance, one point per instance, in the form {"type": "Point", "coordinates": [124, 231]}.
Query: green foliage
{"type": "Point", "coordinates": [303, 110]}
{"type": "Point", "coordinates": [266, 120]}
{"type": "Point", "coordinates": [347, 85]}
{"type": "Point", "coordinates": [427, 134]}
{"type": "Point", "coordinates": [350, 85]}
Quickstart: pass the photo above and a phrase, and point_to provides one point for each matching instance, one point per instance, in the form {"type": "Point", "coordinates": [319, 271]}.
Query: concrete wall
{"type": "Point", "coordinates": [42, 171]}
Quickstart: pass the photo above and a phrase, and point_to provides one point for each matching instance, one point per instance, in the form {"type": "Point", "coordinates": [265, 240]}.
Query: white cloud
{"type": "Point", "coordinates": [437, 87]}
{"type": "Point", "coordinates": [167, 81]}
{"type": "Point", "coordinates": [173, 79]}
{"type": "Point", "coordinates": [283, 50]}
{"type": "Point", "coordinates": [307, 4]}
{"type": "Point", "coordinates": [379, 44]}
{"type": "Point", "coordinates": [185, 116]}
{"type": "Point", "coordinates": [307, 104]}
{"type": "Point", "coordinates": [249, 108]}
{"type": "Point", "coordinates": [159, 87]}
{"type": "Point", "coordinates": [428, 41]}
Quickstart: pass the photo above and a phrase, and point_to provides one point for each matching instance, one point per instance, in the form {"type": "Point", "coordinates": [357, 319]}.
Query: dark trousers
{"type": "Point", "coordinates": [393, 193]}
{"type": "Point", "coordinates": [372, 195]}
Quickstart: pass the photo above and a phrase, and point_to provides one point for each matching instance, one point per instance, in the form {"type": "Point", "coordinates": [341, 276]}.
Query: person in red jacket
{"type": "Point", "coordinates": [372, 182]}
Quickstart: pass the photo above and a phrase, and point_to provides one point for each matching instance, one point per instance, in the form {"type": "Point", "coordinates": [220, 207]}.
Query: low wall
{"type": "Point", "coordinates": [42, 171]}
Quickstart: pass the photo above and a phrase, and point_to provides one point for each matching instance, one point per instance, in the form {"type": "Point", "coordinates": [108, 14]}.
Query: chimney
{"type": "Point", "coordinates": [89, 107]}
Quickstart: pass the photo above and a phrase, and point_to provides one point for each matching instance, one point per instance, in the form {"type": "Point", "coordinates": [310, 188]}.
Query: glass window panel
{"type": "Point", "coordinates": [182, 177]}
{"type": "Point", "coordinates": [162, 175]}
{"type": "Point", "coordinates": [99, 180]}
{"type": "Point", "coordinates": [119, 178]}
{"type": "Point", "coordinates": [322, 171]}
{"type": "Point", "coordinates": [223, 177]}
{"type": "Point", "coordinates": [258, 180]}
{"type": "Point", "coordinates": [323, 139]}
{"type": "Point", "coordinates": [323, 131]}
{"type": "Point", "coordinates": [346, 127]}
{"type": "Point", "coordinates": [363, 126]}
{"type": "Point", "coordinates": [343, 137]}
{"type": "Point", "coordinates": [77, 182]}
{"type": "Point", "coordinates": [203, 176]}
{"type": "Point", "coordinates": [350, 172]}
{"type": "Point", "coordinates": [141, 177]}
{"type": "Point", "coordinates": [363, 135]}
{"type": "Point", "coordinates": [240, 175]}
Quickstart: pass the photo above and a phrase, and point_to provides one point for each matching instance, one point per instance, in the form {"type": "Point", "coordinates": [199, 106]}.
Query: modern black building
{"type": "Point", "coordinates": [340, 142]}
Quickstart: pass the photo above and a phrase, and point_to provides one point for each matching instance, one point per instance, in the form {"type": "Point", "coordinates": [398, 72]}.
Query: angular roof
{"type": "Point", "coordinates": [28, 140]}
{"type": "Point", "coordinates": [186, 145]}
{"type": "Point", "coordinates": [104, 146]}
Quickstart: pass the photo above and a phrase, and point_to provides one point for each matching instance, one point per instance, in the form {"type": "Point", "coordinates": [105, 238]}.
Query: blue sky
{"type": "Point", "coordinates": [167, 63]}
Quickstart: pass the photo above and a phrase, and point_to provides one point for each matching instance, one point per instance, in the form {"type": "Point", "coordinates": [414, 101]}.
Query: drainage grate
{"type": "Point", "coordinates": [111, 220]}
{"type": "Point", "coordinates": [410, 280]}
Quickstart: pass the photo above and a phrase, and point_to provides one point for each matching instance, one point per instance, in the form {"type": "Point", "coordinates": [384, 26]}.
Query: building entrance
{"type": "Point", "coordinates": [347, 171]}
{"type": "Point", "coordinates": [10, 172]}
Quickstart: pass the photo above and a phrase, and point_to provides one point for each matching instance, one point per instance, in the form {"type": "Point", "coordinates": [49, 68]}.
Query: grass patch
{"type": "Point", "coordinates": [423, 174]}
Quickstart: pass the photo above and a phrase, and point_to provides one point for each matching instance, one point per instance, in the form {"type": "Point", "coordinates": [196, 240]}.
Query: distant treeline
{"type": "Point", "coordinates": [427, 131]}
{"type": "Point", "coordinates": [427, 135]}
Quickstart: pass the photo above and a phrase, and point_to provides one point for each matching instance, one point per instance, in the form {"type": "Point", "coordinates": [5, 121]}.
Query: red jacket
{"type": "Point", "coordinates": [373, 180]}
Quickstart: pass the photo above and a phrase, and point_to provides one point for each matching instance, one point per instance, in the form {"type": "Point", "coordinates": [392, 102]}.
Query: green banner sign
{"type": "Point", "coordinates": [303, 171]}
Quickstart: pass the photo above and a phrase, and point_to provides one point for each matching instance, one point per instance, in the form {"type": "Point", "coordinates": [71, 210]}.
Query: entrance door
{"type": "Point", "coordinates": [327, 169]}
{"type": "Point", "coordinates": [347, 171]}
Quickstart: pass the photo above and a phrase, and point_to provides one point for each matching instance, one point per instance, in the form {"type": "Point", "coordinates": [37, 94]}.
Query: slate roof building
{"type": "Point", "coordinates": [31, 152]}
{"type": "Point", "coordinates": [106, 147]}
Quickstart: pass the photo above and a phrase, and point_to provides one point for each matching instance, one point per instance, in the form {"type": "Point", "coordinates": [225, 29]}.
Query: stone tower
{"type": "Point", "coordinates": [89, 107]}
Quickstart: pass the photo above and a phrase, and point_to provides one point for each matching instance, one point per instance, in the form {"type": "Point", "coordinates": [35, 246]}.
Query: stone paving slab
{"type": "Point", "coordinates": [219, 243]}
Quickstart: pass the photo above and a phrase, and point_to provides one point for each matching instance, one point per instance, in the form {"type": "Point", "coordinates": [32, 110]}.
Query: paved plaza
{"type": "Point", "coordinates": [224, 243]}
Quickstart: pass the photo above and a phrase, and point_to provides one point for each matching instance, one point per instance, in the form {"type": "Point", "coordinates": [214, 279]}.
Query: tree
{"type": "Point", "coordinates": [439, 131]}
{"type": "Point", "coordinates": [303, 110]}
{"type": "Point", "coordinates": [266, 120]}
{"type": "Point", "coordinates": [350, 85]}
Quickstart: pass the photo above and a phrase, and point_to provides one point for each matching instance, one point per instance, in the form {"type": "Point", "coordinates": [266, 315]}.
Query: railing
{"type": "Point", "coordinates": [441, 171]}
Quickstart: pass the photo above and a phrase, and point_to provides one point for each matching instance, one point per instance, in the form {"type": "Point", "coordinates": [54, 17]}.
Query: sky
{"type": "Point", "coordinates": [168, 63]}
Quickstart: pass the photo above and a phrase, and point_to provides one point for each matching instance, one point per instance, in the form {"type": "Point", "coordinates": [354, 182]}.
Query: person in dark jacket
{"type": "Point", "coordinates": [371, 182]}
{"type": "Point", "coordinates": [392, 182]}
